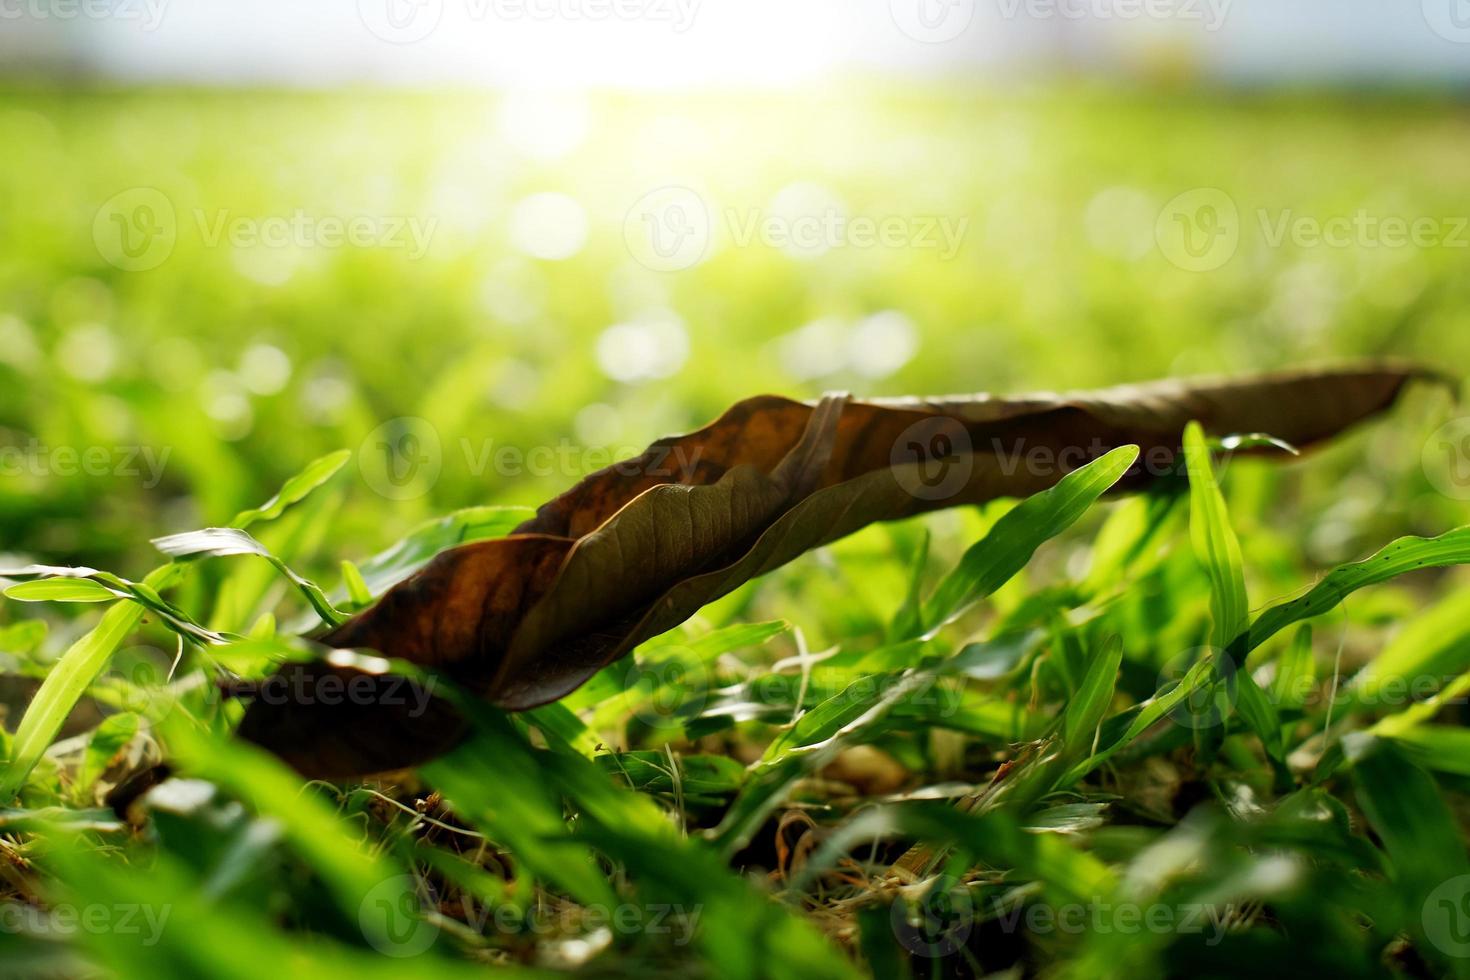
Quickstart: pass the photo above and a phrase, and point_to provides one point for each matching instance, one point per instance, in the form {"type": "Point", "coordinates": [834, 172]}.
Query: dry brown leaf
{"type": "Point", "coordinates": [637, 548]}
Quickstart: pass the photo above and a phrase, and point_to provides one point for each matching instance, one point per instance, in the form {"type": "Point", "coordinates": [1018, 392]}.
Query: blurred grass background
{"type": "Point", "coordinates": [243, 362]}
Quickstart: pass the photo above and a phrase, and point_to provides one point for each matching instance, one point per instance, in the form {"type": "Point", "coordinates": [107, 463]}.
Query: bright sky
{"type": "Point", "coordinates": [686, 43]}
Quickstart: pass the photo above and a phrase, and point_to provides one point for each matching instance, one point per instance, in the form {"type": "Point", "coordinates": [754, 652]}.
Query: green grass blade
{"type": "Point", "coordinates": [312, 827]}
{"type": "Point", "coordinates": [358, 593]}
{"type": "Point", "coordinates": [60, 590]}
{"type": "Point", "coordinates": [68, 680]}
{"type": "Point", "coordinates": [1402, 556]}
{"type": "Point", "coordinates": [1295, 671]}
{"type": "Point", "coordinates": [294, 490]}
{"type": "Point", "coordinates": [221, 542]}
{"type": "Point", "coordinates": [87, 658]}
{"type": "Point", "coordinates": [103, 746]}
{"type": "Point", "coordinates": [668, 667]}
{"type": "Point", "coordinates": [1440, 748]}
{"type": "Point", "coordinates": [1085, 711]}
{"type": "Point", "coordinates": [516, 794]}
{"type": "Point", "coordinates": [1218, 551]}
{"type": "Point", "coordinates": [1422, 712]}
{"type": "Point", "coordinates": [397, 562]}
{"type": "Point", "coordinates": [1429, 648]}
{"type": "Point", "coordinates": [1214, 541]}
{"type": "Point", "coordinates": [908, 620]}
{"type": "Point", "coordinates": [993, 560]}
{"type": "Point", "coordinates": [1419, 833]}
{"type": "Point", "coordinates": [1145, 716]}
{"type": "Point", "coordinates": [1136, 530]}
{"type": "Point", "coordinates": [1066, 872]}
{"type": "Point", "coordinates": [173, 930]}
{"type": "Point", "coordinates": [860, 704]}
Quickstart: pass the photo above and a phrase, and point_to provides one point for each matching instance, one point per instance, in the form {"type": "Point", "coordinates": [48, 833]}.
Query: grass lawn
{"type": "Point", "coordinates": [416, 315]}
